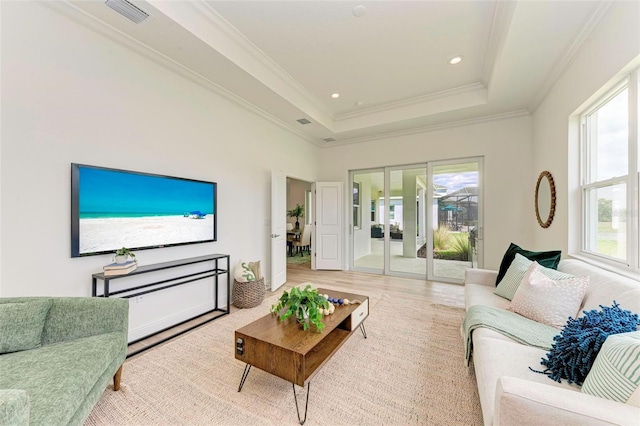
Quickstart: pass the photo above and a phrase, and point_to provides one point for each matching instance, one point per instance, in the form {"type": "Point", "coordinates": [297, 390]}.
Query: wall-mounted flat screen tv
{"type": "Point", "coordinates": [113, 208]}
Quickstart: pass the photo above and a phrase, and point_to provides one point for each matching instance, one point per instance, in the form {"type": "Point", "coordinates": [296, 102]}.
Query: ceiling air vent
{"type": "Point", "coordinates": [128, 10]}
{"type": "Point", "coordinates": [329, 140]}
{"type": "Point", "coordinates": [303, 121]}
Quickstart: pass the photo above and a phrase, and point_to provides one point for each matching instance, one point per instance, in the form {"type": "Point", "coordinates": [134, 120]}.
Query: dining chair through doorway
{"type": "Point", "coordinates": [304, 242]}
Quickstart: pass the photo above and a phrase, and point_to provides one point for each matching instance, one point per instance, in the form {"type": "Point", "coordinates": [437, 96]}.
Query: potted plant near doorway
{"type": "Point", "coordinates": [297, 212]}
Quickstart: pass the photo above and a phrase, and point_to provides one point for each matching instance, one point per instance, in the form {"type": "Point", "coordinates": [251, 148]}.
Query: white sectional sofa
{"type": "Point", "coordinates": [512, 394]}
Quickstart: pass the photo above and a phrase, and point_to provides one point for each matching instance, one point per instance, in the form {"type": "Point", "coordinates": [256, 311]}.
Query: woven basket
{"type": "Point", "coordinates": [248, 295]}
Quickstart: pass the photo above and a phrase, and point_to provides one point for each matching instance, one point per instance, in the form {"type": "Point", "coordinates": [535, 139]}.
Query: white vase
{"type": "Point", "coordinates": [121, 258]}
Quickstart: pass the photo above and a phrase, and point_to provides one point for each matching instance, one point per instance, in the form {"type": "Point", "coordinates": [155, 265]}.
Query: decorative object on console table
{"type": "Point", "coordinates": [123, 254]}
{"type": "Point", "coordinates": [120, 268]}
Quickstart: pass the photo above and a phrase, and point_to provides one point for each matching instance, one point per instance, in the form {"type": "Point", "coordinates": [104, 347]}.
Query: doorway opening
{"type": "Point", "coordinates": [299, 221]}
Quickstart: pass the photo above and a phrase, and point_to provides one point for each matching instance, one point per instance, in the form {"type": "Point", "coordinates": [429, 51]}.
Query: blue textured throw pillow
{"type": "Point", "coordinates": [576, 347]}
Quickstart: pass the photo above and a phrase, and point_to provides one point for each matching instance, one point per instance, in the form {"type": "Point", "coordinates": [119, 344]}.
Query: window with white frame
{"type": "Point", "coordinates": [610, 179]}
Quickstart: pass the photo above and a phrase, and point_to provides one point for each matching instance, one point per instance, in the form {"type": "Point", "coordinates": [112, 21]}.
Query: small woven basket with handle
{"type": "Point", "coordinates": [248, 295]}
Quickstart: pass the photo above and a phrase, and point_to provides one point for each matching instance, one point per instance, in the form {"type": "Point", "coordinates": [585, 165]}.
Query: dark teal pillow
{"type": "Point", "coordinates": [548, 259]}
{"type": "Point", "coordinates": [21, 324]}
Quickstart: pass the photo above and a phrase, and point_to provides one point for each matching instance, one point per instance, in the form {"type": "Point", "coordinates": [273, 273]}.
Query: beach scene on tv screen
{"type": "Point", "coordinates": [124, 209]}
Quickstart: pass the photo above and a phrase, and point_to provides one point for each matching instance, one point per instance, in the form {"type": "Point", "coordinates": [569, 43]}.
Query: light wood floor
{"type": "Point", "coordinates": [356, 282]}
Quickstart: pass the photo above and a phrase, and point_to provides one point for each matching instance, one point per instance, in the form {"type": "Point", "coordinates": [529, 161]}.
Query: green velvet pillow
{"type": "Point", "coordinates": [548, 259]}
{"type": "Point", "coordinates": [21, 325]}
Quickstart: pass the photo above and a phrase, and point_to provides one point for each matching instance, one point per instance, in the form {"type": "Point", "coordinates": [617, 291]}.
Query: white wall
{"type": "Point", "coordinates": [506, 147]}
{"type": "Point", "coordinates": [71, 95]}
{"type": "Point", "coordinates": [613, 44]}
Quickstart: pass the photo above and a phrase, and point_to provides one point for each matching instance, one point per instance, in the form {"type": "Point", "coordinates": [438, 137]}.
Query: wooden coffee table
{"type": "Point", "coordinates": [284, 349]}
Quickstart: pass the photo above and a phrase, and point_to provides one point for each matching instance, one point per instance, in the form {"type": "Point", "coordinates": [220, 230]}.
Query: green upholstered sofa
{"type": "Point", "coordinates": [83, 344]}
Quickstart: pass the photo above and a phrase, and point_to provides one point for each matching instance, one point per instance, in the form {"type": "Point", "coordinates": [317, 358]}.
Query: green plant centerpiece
{"type": "Point", "coordinates": [297, 211]}
{"type": "Point", "coordinates": [123, 254]}
{"type": "Point", "coordinates": [306, 304]}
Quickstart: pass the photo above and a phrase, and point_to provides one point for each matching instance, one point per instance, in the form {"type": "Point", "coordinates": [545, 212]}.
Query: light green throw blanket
{"type": "Point", "coordinates": [517, 327]}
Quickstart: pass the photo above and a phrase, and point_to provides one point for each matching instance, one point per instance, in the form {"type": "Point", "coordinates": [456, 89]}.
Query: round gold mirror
{"type": "Point", "coordinates": [545, 199]}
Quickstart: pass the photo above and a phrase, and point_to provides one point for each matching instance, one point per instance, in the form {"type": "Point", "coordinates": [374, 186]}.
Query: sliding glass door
{"type": "Point", "coordinates": [420, 220]}
{"type": "Point", "coordinates": [456, 217]}
{"type": "Point", "coordinates": [367, 227]}
{"type": "Point", "coordinates": [406, 220]}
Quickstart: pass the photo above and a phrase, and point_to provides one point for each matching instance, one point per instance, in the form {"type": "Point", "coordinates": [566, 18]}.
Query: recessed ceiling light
{"type": "Point", "coordinates": [335, 95]}
{"type": "Point", "coordinates": [456, 60]}
{"type": "Point", "coordinates": [359, 104]}
{"type": "Point", "coordinates": [359, 10]}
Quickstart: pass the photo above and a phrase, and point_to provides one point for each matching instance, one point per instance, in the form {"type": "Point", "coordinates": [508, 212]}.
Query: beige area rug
{"type": "Point", "coordinates": [409, 371]}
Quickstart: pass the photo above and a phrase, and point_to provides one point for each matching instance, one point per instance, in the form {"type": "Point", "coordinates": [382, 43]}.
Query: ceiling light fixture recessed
{"type": "Point", "coordinates": [456, 60]}
{"type": "Point", "coordinates": [335, 95]}
{"type": "Point", "coordinates": [359, 104]}
{"type": "Point", "coordinates": [359, 10]}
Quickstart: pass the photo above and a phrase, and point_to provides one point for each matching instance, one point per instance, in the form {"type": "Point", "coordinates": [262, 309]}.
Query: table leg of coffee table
{"type": "Point", "coordinates": [306, 406]}
{"type": "Point", "coordinates": [245, 373]}
{"type": "Point", "coordinates": [364, 332]}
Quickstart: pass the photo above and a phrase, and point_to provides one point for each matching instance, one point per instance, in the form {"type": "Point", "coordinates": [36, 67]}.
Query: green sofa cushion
{"type": "Point", "coordinates": [14, 407]}
{"type": "Point", "coordinates": [59, 377]}
{"type": "Point", "coordinates": [21, 325]}
{"type": "Point", "coordinates": [548, 259]}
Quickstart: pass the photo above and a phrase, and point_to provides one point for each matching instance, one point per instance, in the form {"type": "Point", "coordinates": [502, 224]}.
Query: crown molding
{"type": "Point", "coordinates": [469, 88]}
{"type": "Point", "coordinates": [70, 11]}
{"type": "Point", "coordinates": [253, 60]}
{"type": "Point", "coordinates": [502, 17]}
{"type": "Point", "coordinates": [569, 55]}
{"type": "Point", "coordinates": [430, 128]}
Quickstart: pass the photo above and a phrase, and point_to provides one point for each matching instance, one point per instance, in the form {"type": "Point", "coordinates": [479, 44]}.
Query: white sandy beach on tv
{"type": "Point", "coordinates": [105, 234]}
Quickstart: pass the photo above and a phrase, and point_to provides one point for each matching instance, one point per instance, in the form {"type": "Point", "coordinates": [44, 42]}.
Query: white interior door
{"type": "Point", "coordinates": [328, 238]}
{"type": "Point", "coordinates": [278, 229]}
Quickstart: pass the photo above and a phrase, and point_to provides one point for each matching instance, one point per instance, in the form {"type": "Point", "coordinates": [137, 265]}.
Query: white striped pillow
{"type": "Point", "coordinates": [517, 270]}
{"type": "Point", "coordinates": [615, 374]}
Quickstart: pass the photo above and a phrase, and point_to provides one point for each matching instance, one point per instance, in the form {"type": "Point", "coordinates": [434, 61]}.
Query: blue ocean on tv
{"type": "Point", "coordinates": [114, 194]}
{"type": "Point", "coordinates": [135, 210]}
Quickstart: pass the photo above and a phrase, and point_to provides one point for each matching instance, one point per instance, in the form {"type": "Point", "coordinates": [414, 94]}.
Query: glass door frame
{"type": "Point", "coordinates": [479, 246]}
{"type": "Point", "coordinates": [429, 231]}
{"type": "Point", "coordinates": [352, 173]}
{"type": "Point", "coordinates": [387, 221]}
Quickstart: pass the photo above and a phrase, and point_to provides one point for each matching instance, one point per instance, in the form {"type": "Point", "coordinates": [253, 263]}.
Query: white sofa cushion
{"type": "Point", "coordinates": [478, 294]}
{"type": "Point", "coordinates": [495, 358]}
{"type": "Point", "coordinates": [604, 287]}
{"type": "Point", "coordinates": [548, 301]}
